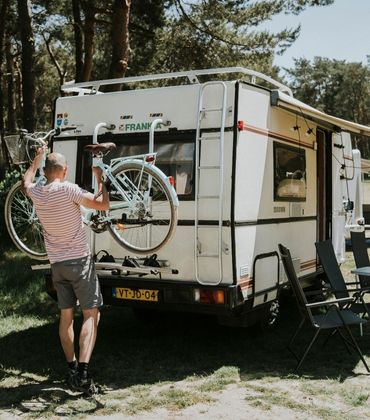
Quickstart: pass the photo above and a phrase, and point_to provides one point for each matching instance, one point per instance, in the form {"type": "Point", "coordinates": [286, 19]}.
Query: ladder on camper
{"type": "Point", "coordinates": [200, 196]}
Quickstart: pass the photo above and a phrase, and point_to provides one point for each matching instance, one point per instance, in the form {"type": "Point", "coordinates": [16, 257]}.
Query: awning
{"type": "Point", "coordinates": [289, 103]}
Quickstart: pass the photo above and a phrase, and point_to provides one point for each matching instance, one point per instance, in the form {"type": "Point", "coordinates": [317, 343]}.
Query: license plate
{"type": "Point", "coordinates": [146, 295]}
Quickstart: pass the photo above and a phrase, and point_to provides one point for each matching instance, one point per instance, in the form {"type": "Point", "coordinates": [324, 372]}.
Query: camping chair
{"type": "Point", "coordinates": [359, 249]}
{"type": "Point", "coordinates": [338, 286]}
{"type": "Point", "coordinates": [333, 319]}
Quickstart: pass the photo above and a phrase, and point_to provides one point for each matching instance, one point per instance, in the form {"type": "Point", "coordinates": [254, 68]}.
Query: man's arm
{"type": "Point", "coordinates": [29, 175]}
{"type": "Point", "coordinates": [100, 201]}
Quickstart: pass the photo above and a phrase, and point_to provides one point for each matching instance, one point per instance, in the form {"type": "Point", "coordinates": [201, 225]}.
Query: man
{"type": "Point", "coordinates": [57, 205]}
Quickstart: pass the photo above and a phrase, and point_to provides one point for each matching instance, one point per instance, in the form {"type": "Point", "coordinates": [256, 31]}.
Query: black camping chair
{"type": "Point", "coordinates": [338, 285]}
{"type": "Point", "coordinates": [359, 249]}
{"type": "Point", "coordinates": [333, 319]}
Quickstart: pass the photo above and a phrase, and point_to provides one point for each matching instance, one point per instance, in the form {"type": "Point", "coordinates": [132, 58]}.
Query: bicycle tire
{"type": "Point", "coordinates": [22, 223]}
{"type": "Point", "coordinates": [148, 223]}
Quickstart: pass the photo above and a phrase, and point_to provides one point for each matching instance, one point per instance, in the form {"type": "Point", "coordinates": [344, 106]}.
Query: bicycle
{"type": "Point", "coordinates": [142, 216]}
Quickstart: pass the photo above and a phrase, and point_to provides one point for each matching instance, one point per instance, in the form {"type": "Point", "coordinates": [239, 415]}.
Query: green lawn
{"type": "Point", "coordinates": [172, 363]}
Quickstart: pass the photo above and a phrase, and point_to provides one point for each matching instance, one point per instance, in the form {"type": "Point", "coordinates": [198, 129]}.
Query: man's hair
{"type": "Point", "coordinates": [55, 162]}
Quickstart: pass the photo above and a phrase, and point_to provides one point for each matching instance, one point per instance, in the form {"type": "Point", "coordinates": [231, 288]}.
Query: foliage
{"type": "Point", "coordinates": [165, 35]}
{"type": "Point", "coordinates": [10, 178]}
{"type": "Point", "coordinates": [335, 87]}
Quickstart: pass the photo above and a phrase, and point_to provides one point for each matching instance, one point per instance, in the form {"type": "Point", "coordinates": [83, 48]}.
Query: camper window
{"type": "Point", "coordinates": [175, 157]}
{"type": "Point", "coordinates": [289, 173]}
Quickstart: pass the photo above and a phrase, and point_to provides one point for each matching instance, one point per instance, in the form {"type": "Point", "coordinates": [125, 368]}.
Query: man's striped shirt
{"type": "Point", "coordinates": [58, 208]}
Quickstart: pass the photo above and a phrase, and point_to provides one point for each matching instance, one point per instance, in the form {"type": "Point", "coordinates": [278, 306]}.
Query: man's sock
{"type": "Point", "coordinates": [73, 365]}
{"type": "Point", "coordinates": [82, 370]}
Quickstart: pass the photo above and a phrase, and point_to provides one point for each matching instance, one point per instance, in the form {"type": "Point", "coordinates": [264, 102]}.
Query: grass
{"type": "Point", "coordinates": [169, 365]}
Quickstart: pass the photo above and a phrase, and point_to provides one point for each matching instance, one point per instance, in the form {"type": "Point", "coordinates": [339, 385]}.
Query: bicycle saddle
{"type": "Point", "coordinates": [101, 147]}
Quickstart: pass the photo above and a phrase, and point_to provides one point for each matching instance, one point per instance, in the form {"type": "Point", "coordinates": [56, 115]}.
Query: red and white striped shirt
{"type": "Point", "coordinates": [58, 208]}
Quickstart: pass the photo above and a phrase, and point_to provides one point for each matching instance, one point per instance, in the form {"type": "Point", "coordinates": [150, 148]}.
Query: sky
{"type": "Point", "coordinates": [340, 31]}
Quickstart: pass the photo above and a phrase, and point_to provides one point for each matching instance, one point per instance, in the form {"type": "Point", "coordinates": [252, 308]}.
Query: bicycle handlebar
{"type": "Point", "coordinates": [59, 130]}
{"type": "Point", "coordinates": [43, 139]}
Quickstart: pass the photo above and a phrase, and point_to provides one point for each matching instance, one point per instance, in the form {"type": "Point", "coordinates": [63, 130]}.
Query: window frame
{"type": "Point", "coordinates": [83, 175]}
{"type": "Point", "coordinates": [299, 151]}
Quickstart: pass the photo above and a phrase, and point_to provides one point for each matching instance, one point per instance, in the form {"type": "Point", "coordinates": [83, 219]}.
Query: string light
{"type": "Point", "coordinates": [309, 131]}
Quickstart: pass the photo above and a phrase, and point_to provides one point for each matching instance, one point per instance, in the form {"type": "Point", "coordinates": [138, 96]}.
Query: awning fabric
{"type": "Point", "coordinates": [289, 103]}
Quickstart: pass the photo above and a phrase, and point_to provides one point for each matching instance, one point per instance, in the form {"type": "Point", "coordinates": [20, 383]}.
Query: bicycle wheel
{"type": "Point", "coordinates": [23, 224]}
{"type": "Point", "coordinates": [143, 207]}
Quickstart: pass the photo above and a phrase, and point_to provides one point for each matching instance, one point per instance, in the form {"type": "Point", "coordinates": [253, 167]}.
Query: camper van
{"type": "Point", "coordinates": [252, 167]}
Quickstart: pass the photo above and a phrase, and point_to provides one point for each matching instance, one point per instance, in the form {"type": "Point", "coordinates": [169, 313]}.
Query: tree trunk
{"type": "Point", "coordinates": [89, 29]}
{"type": "Point", "coordinates": [77, 25]}
{"type": "Point", "coordinates": [61, 72]}
{"type": "Point", "coordinates": [120, 38]}
{"type": "Point", "coordinates": [28, 73]}
{"type": "Point", "coordinates": [12, 119]}
{"type": "Point", "coordinates": [3, 17]}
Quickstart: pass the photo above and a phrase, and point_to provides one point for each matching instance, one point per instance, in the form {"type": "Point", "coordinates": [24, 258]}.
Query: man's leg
{"type": "Point", "coordinates": [88, 333]}
{"type": "Point", "coordinates": [66, 333]}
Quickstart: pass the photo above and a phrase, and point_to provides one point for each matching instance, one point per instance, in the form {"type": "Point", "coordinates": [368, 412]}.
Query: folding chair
{"type": "Point", "coordinates": [338, 285]}
{"type": "Point", "coordinates": [333, 319]}
{"type": "Point", "coordinates": [359, 249]}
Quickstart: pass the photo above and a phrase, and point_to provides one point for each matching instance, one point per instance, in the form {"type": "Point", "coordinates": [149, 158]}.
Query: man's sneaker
{"type": "Point", "coordinates": [71, 372]}
{"type": "Point", "coordinates": [85, 385]}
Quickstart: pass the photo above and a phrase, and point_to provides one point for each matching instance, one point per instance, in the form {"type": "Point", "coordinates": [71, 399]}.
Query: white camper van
{"type": "Point", "coordinates": [253, 167]}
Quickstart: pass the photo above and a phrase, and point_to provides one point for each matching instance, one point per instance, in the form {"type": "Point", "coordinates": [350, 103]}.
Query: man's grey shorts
{"type": "Point", "coordinates": [76, 280]}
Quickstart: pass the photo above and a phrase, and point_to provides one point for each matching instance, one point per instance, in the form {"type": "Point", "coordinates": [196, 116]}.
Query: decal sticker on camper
{"type": "Point", "coordinates": [139, 126]}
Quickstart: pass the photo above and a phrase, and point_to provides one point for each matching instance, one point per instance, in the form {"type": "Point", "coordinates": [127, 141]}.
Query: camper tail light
{"type": "Point", "coordinates": [241, 125]}
{"type": "Point", "coordinates": [171, 180]}
{"type": "Point", "coordinates": [209, 296]}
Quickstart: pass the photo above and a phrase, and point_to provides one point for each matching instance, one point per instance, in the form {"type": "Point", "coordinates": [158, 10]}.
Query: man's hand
{"type": "Point", "coordinates": [99, 201]}
{"type": "Point", "coordinates": [29, 175]}
{"type": "Point", "coordinates": [39, 153]}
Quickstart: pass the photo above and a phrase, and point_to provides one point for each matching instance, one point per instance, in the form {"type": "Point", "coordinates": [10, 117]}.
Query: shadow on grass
{"type": "Point", "coordinates": [169, 348]}
{"type": "Point", "coordinates": [130, 352]}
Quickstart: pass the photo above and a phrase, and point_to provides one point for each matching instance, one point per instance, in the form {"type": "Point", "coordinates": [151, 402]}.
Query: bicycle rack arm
{"type": "Point", "coordinates": [98, 126]}
{"type": "Point", "coordinates": [153, 126]}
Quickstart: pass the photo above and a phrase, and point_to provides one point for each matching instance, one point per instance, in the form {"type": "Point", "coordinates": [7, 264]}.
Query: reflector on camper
{"type": "Point", "coordinates": [209, 296]}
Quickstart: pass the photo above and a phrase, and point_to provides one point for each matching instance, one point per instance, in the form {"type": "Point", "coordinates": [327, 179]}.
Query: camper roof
{"type": "Point", "coordinates": [282, 96]}
{"type": "Point", "coordinates": [282, 100]}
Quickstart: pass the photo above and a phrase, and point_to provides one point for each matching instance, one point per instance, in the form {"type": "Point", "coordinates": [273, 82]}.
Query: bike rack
{"type": "Point", "coordinates": [116, 269]}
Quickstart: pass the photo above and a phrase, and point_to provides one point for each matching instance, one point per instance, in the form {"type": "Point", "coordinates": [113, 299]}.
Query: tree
{"type": "Point", "coordinates": [3, 17]}
{"type": "Point", "coordinates": [146, 18]}
{"type": "Point", "coordinates": [213, 33]}
{"type": "Point", "coordinates": [335, 87]}
{"type": "Point", "coordinates": [120, 38]}
{"type": "Point", "coordinates": [95, 39]}
{"type": "Point", "coordinates": [78, 37]}
{"type": "Point", "coordinates": [28, 65]}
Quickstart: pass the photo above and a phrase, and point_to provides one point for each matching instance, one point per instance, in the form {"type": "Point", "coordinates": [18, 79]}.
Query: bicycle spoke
{"type": "Point", "coordinates": [145, 221]}
{"type": "Point", "coordinates": [23, 224]}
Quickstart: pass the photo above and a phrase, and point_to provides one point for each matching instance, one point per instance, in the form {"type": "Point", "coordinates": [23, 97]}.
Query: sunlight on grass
{"type": "Point", "coordinates": [16, 323]}
{"type": "Point", "coordinates": [355, 396]}
{"type": "Point", "coordinates": [220, 378]}
{"type": "Point", "coordinates": [13, 378]}
{"type": "Point", "coordinates": [171, 398]}
{"type": "Point", "coordinates": [151, 369]}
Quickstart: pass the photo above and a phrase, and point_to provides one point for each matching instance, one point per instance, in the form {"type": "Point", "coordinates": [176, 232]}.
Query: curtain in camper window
{"type": "Point", "coordinates": [289, 173]}
{"type": "Point", "coordinates": [175, 158]}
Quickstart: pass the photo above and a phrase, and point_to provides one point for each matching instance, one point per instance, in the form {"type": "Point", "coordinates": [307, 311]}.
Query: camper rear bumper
{"type": "Point", "coordinates": [170, 295]}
